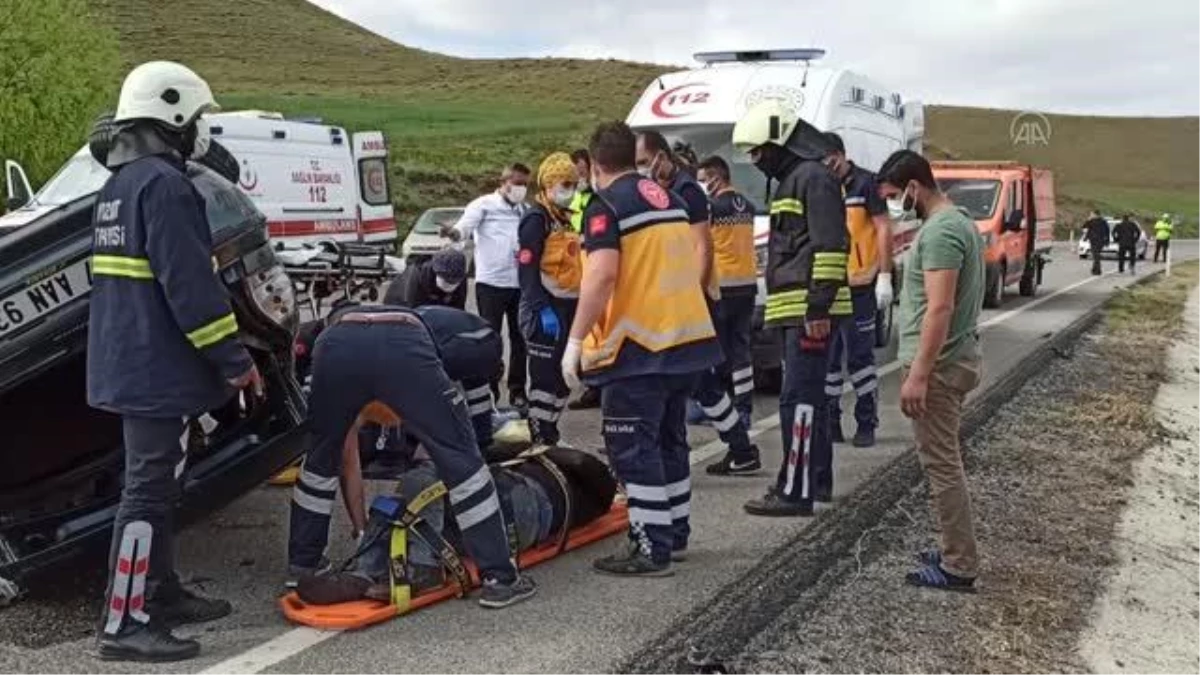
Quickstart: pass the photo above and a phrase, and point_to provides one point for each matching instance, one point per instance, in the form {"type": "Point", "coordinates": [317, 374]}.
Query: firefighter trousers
{"type": "Point", "coordinates": [852, 345]}
{"type": "Point", "coordinates": [713, 391]}
{"type": "Point", "coordinates": [807, 470]}
{"type": "Point", "coordinates": [547, 391]}
{"type": "Point", "coordinates": [141, 561]}
{"type": "Point", "coordinates": [645, 433]}
{"type": "Point", "coordinates": [397, 365]}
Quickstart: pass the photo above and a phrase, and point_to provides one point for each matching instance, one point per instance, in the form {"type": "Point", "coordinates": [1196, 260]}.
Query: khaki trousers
{"type": "Point", "coordinates": [941, 456]}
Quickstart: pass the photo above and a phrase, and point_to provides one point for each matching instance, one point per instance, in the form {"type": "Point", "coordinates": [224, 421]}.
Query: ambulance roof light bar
{"type": "Point", "coordinates": [804, 54]}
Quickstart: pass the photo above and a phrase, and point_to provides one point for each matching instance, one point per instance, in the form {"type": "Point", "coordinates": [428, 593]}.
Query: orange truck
{"type": "Point", "coordinates": [1013, 207]}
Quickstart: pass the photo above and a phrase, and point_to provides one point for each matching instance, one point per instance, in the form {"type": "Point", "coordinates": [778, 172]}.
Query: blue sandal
{"type": "Point", "coordinates": [932, 557]}
{"type": "Point", "coordinates": [933, 576]}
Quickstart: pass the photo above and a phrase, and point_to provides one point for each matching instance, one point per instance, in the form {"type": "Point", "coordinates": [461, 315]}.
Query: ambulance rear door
{"type": "Point", "coordinates": [376, 214]}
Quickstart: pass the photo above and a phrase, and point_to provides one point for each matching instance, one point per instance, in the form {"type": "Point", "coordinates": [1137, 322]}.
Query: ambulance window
{"type": "Point", "coordinates": [373, 176]}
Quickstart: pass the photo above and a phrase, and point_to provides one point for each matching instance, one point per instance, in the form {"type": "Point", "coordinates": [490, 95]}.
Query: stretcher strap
{"type": "Point", "coordinates": [398, 549]}
{"type": "Point", "coordinates": [538, 454]}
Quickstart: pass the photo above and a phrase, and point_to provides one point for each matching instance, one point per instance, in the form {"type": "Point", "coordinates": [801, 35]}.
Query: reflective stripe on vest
{"type": "Point", "coordinates": [128, 267]}
{"type": "Point", "coordinates": [794, 304]}
{"type": "Point", "coordinates": [829, 266]}
{"type": "Point", "coordinates": [578, 204]}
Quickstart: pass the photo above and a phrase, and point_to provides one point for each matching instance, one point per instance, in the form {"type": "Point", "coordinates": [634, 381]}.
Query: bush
{"type": "Point", "coordinates": [59, 68]}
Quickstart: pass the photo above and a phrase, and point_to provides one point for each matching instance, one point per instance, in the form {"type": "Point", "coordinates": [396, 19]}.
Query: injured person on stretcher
{"type": "Point", "coordinates": [408, 545]}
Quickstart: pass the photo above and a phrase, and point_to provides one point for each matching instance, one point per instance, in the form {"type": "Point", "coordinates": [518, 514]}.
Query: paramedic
{"type": "Point", "coordinates": [590, 397]}
{"type": "Point", "coordinates": [657, 162]}
{"type": "Point", "coordinates": [380, 364]}
{"type": "Point", "coordinates": [491, 221]}
{"type": "Point", "coordinates": [162, 348]}
{"type": "Point", "coordinates": [550, 269]}
{"type": "Point", "coordinates": [806, 295]}
{"type": "Point", "coordinates": [648, 336]}
{"type": "Point", "coordinates": [441, 280]}
{"type": "Point", "coordinates": [733, 252]}
{"type": "Point", "coordinates": [853, 344]}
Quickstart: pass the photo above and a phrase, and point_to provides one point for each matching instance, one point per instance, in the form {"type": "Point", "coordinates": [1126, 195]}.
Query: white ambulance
{"type": "Point", "coordinates": [700, 106]}
{"type": "Point", "coordinates": [314, 182]}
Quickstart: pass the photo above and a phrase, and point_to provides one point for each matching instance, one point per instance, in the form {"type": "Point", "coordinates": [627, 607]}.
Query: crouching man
{"type": "Point", "coordinates": [542, 499]}
{"type": "Point", "coordinates": [380, 364]}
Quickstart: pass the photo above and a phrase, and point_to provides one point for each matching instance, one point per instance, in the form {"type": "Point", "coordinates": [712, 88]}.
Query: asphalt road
{"type": "Point", "coordinates": [579, 621]}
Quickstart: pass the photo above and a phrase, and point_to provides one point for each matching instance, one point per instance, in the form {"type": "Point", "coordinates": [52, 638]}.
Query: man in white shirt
{"type": "Point", "coordinates": [491, 221]}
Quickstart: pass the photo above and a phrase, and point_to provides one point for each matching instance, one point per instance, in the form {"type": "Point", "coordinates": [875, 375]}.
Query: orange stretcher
{"type": "Point", "coordinates": [364, 613]}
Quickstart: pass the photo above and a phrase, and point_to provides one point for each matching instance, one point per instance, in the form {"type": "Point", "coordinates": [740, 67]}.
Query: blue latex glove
{"type": "Point", "coordinates": [550, 325]}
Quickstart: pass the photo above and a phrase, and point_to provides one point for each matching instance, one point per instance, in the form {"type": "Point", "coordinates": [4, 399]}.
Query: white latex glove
{"type": "Point", "coordinates": [570, 362]}
{"type": "Point", "coordinates": [883, 290]}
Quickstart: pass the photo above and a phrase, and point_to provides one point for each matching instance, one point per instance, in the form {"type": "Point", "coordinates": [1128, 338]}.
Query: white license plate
{"type": "Point", "coordinates": [45, 296]}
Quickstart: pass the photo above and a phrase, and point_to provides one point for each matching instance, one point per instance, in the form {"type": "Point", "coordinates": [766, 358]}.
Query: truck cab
{"type": "Point", "coordinates": [1012, 205]}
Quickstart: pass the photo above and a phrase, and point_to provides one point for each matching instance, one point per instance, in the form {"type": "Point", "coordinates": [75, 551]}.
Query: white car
{"type": "Point", "coordinates": [426, 238]}
{"type": "Point", "coordinates": [1110, 251]}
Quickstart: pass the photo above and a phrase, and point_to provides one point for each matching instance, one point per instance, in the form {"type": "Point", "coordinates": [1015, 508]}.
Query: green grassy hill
{"type": "Point", "coordinates": [454, 122]}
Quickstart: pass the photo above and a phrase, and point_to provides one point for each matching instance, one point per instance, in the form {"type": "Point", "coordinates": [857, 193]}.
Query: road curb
{"type": "Point", "coordinates": [793, 576]}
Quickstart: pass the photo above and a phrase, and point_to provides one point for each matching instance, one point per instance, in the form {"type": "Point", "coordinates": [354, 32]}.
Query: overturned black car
{"type": "Point", "coordinates": [60, 460]}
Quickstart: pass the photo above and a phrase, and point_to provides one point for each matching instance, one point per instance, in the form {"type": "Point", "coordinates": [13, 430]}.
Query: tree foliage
{"type": "Point", "coordinates": [59, 68]}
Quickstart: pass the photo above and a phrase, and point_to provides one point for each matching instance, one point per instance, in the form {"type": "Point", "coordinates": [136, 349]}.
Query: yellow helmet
{"type": "Point", "coordinates": [767, 121]}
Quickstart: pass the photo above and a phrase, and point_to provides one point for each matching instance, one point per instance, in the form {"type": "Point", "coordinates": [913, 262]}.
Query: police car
{"type": "Point", "coordinates": [61, 460]}
{"type": "Point", "coordinates": [315, 183]}
{"type": "Point", "coordinates": [698, 107]}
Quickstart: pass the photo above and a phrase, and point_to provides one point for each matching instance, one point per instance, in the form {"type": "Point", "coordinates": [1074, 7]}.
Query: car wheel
{"type": "Point", "coordinates": [993, 295]}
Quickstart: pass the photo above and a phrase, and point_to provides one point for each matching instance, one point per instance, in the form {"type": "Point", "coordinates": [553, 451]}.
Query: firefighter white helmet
{"type": "Point", "coordinates": [164, 91]}
{"type": "Point", "coordinates": [768, 121]}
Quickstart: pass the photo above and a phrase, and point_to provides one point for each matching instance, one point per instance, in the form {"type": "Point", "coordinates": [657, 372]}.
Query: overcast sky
{"type": "Point", "coordinates": [1113, 57]}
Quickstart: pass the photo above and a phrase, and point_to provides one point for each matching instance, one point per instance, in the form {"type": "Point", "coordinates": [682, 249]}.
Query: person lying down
{"type": "Point", "coordinates": [538, 495]}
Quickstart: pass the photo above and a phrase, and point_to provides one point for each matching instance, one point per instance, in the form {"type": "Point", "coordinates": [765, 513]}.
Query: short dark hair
{"type": "Point", "coordinates": [904, 166]}
{"type": "Point", "coordinates": [835, 141]}
{"type": "Point", "coordinates": [517, 167]}
{"type": "Point", "coordinates": [613, 147]}
{"type": "Point", "coordinates": [581, 155]}
{"type": "Point", "coordinates": [655, 142]}
{"type": "Point", "coordinates": [715, 164]}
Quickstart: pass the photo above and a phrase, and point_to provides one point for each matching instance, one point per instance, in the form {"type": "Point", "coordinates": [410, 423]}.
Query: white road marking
{"type": "Point", "coordinates": [296, 640]}
{"type": "Point", "coordinates": [258, 659]}
{"type": "Point", "coordinates": [714, 448]}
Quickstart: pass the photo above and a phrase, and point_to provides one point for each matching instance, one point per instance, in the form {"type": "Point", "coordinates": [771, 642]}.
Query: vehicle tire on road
{"type": "Point", "coordinates": [993, 295]}
{"type": "Point", "coordinates": [1029, 280]}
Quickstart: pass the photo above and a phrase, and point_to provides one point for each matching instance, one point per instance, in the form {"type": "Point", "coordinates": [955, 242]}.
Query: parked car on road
{"type": "Point", "coordinates": [1110, 251]}
{"type": "Point", "coordinates": [426, 238]}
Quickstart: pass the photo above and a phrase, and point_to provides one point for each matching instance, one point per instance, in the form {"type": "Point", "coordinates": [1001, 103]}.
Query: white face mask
{"type": "Point", "coordinates": [445, 286]}
{"type": "Point", "coordinates": [516, 193]}
{"type": "Point", "coordinates": [897, 210]}
{"type": "Point", "coordinates": [584, 185]}
{"type": "Point", "coordinates": [563, 196]}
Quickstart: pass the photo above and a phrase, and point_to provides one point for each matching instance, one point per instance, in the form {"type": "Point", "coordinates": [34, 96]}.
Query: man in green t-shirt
{"type": "Point", "coordinates": [940, 299]}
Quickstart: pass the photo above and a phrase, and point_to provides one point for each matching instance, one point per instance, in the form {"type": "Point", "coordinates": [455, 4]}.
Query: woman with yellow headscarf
{"type": "Point", "coordinates": [550, 269]}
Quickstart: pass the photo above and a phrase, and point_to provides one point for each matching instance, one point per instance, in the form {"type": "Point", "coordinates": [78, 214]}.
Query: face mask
{"type": "Point", "coordinates": [563, 196]}
{"type": "Point", "coordinates": [516, 193]}
{"type": "Point", "coordinates": [445, 286]}
{"type": "Point", "coordinates": [708, 188]}
{"type": "Point", "coordinates": [903, 207]}
{"type": "Point", "coordinates": [771, 159]}
{"type": "Point", "coordinates": [584, 186]}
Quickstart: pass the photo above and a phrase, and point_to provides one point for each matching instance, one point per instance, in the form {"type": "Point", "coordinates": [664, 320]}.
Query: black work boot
{"type": "Point", "coordinates": [182, 607]}
{"type": "Point", "coordinates": [864, 437]}
{"type": "Point", "coordinates": [149, 643]}
{"type": "Point", "coordinates": [772, 504]}
{"type": "Point", "coordinates": [632, 563]}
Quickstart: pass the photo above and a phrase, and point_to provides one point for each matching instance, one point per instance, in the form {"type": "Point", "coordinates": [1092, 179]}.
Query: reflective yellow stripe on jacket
{"type": "Point", "coordinates": [794, 304]}
{"type": "Point", "coordinates": [128, 267]}
{"type": "Point", "coordinates": [787, 206]}
{"type": "Point", "coordinates": [213, 332]}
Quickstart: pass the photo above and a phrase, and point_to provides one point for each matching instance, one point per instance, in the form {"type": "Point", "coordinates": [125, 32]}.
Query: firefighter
{"type": "Point", "coordinates": [380, 364]}
{"type": "Point", "coordinates": [162, 348]}
{"type": "Point", "coordinates": [1162, 236]}
{"type": "Point", "coordinates": [642, 333]}
{"type": "Point", "coordinates": [588, 398]}
{"type": "Point", "coordinates": [733, 252]}
{"type": "Point", "coordinates": [853, 345]}
{"type": "Point", "coordinates": [657, 161]}
{"type": "Point", "coordinates": [550, 271]}
{"type": "Point", "coordinates": [806, 295]}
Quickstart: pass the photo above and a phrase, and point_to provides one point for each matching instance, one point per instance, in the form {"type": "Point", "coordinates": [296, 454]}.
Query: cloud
{"type": "Point", "coordinates": [1072, 56]}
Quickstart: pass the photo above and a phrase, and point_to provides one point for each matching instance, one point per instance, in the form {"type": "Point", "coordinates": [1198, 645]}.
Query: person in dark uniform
{"type": "Point", "coordinates": [162, 348]}
{"type": "Point", "coordinates": [550, 272]}
{"type": "Point", "coordinates": [1127, 233]}
{"type": "Point", "coordinates": [381, 364]}
{"type": "Point", "coordinates": [588, 398]}
{"type": "Point", "coordinates": [657, 162]}
{"type": "Point", "coordinates": [1098, 236]}
{"type": "Point", "coordinates": [643, 334]}
{"type": "Point", "coordinates": [807, 295]}
{"type": "Point", "coordinates": [736, 270]}
{"type": "Point", "coordinates": [441, 280]}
